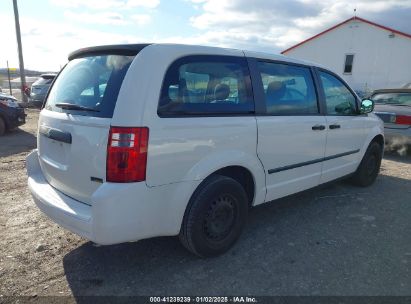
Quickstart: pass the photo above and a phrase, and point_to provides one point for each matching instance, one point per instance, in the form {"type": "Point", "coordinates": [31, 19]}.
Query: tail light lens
{"type": "Point", "coordinates": [403, 120]}
{"type": "Point", "coordinates": [127, 155]}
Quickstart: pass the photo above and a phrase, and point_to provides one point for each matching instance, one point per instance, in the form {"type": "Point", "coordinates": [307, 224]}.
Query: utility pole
{"type": "Point", "coordinates": [8, 75]}
{"type": "Point", "coordinates": [20, 49]}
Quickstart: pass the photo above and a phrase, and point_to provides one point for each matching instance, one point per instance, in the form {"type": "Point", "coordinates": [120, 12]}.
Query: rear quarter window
{"type": "Point", "coordinates": [91, 82]}
{"type": "Point", "coordinates": [207, 86]}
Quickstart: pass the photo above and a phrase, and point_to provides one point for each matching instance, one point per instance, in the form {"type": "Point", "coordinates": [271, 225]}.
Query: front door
{"type": "Point", "coordinates": [345, 128]}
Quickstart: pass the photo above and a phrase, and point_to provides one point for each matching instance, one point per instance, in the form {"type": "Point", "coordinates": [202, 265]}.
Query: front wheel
{"type": "Point", "coordinates": [369, 167]}
{"type": "Point", "coordinates": [215, 216]}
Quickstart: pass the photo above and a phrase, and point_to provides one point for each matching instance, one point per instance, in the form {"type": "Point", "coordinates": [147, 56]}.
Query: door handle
{"type": "Point", "coordinates": [55, 134]}
{"type": "Point", "coordinates": [335, 126]}
{"type": "Point", "coordinates": [318, 127]}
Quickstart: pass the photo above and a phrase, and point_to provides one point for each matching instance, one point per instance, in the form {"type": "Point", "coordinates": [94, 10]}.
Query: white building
{"type": "Point", "coordinates": [365, 54]}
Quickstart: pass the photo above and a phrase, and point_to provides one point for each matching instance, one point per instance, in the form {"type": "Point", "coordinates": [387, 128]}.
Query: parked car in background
{"type": "Point", "coordinates": [39, 89]}
{"type": "Point", "coordinates": [393, 106]}
{"type": "Point", "coordinates": [128, 149]}
{"type": "Point", "coordinates": [11, 114]}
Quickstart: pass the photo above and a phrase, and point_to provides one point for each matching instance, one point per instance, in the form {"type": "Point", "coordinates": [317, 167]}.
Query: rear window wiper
{"type": "Point", "coordinates": [72, 106]}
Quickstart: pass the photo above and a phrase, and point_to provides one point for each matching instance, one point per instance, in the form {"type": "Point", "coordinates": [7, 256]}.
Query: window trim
{"type": "Point", "coordinates": [322, 92]}
{"type": "Point", "coordinates": [345, 63]}
{"type": "Point", "coordinates": [51, 86]}
{"type": "Point", "coordinates": [258, 87]}
{"type": "Point", "coordinates": [213, 58]}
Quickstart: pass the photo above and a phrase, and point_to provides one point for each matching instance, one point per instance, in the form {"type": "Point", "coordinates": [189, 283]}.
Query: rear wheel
{"type": "Point", "coordinates": [369, 167]}
{"type": "Point", "coordinates": [2, 126]}
{"type": "Point", "coordinates": [215, 216]}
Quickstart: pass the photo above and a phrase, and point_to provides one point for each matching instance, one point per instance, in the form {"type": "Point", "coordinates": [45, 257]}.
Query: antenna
{"type": "Point", "coordinates": [355, 13]}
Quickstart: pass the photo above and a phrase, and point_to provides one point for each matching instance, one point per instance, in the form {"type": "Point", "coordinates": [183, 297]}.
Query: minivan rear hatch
{"type": "Point", "coordinates": [75, 122]}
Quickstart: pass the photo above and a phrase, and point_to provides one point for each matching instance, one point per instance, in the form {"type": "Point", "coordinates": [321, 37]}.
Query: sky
{"type": "Point", "coordinates": [51, 29]}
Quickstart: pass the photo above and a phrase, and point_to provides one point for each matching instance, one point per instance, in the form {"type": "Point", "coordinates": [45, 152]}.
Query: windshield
{"type": "Point", "coordinates": [392, 98]}
{"type": "Point", "coordinates": [89, 83]}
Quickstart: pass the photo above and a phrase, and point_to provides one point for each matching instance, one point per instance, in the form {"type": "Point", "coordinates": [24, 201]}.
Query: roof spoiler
{"type": "Point", "coordinates": [118, 49]}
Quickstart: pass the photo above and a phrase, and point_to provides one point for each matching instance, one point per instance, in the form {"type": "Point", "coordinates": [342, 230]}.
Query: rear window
{"type": "Point", "coordinates": [89, 86]}
{"type": "Point", "coordinates": [43, 81]}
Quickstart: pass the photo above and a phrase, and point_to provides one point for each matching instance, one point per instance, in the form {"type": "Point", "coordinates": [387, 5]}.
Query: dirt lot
{"type": "Point", "coordinates": [338, 240]}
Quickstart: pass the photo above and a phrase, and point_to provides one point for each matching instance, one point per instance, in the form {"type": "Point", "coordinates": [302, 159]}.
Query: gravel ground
{"type": "Point", "coordinates": [337, 240]}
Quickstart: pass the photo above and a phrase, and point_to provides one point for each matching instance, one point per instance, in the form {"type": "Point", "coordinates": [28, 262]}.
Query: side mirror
{"type": "Point", "coordinates": [367, 106]}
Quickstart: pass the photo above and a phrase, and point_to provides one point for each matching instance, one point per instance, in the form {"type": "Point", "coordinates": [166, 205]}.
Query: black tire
{"type": "Point", "coordinates": [215, 216]}
{"type": "Point", "coordinates": [2, 127]}
{"type": "Point", "coordinates": [369, 167]}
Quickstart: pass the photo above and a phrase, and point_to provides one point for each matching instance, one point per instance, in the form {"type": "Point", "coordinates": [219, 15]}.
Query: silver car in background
{"type": "Point", "coordinates": [393, 106]}
{"type": "Point", "coordinates": [40, 88]}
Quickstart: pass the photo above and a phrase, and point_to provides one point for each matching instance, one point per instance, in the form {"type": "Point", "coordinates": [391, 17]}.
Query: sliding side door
{"type": "Point", "coordinates": [291, 130]}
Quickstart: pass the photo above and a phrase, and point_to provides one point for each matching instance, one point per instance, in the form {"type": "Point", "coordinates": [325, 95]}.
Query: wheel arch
{"type": "Point", "coordinates": [375, 134]}
{"type": "Point", "coordinates": [240, 166]}
{"type": "Point", "coordinates": [378, 139]}
{"type": "Point", "coordinates": [243, 176]}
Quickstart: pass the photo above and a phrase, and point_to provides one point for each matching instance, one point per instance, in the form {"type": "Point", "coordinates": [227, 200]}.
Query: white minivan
{"type": "Point", "coordinates": [138, 141]}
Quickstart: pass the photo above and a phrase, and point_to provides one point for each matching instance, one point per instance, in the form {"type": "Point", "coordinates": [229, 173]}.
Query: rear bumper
{"type": "Point", "coordinates": [119, 212]}
{"type": "Point", "coordinates": [397, 136]}
{"type": "Point", "coordinates": [65, 211]}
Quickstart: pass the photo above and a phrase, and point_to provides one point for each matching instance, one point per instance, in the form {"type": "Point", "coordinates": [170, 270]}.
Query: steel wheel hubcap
{"type": "Point", "coordinates": [220, 218]}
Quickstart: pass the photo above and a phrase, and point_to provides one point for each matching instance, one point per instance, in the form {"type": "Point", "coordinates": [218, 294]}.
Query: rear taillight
{"type": "Point", "coordinates": [127, 155]}
{"type": "Point", "coordinates": [403, 120]}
